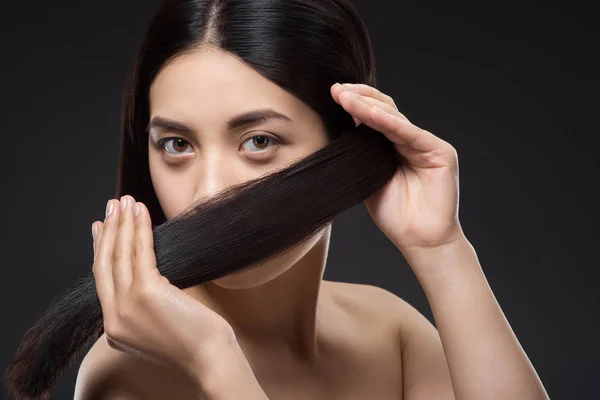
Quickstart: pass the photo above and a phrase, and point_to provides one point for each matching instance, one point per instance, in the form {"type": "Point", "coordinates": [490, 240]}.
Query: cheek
{"type": "Point", "coordinates": [173, 191]}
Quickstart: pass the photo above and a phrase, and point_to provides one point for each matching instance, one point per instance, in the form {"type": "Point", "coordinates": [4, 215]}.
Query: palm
{"type": "Point", "coordinates": [414, 205]}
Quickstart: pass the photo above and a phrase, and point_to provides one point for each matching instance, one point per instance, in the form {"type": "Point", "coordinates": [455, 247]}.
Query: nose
{"type": "Point", "coordinates": [216, 173]}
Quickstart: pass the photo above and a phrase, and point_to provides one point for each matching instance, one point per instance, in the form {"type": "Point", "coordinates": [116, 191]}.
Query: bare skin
{"type": "Point", "coordinates": [303, 337]}
{"type": "Point", "coordinates": [358, 357]}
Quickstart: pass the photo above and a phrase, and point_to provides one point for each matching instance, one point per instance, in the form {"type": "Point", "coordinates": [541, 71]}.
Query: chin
{"type": "Point", "coordinates": [252, 277]}
{"type": "Point", "coordinates": [270, 270]}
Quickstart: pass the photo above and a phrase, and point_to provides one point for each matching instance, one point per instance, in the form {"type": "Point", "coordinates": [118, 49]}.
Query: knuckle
{"type": "Point", "coordinates": [449, 148]}
{"type": "Point", "coordinates": [431, 157]}
{"type": "Point", "coordinates": [138, 248]}
{"type": "Point", "coordinates": [163, 280]}
{"type": "Point", "coordinates": [141, 293]}
{"type": "Point", "coordinates": [124, 313]}
{"type": "Point", "coordinates": [454, 155]}
{"type": "Point", "coordinates": [123, 222]}
{"type": "Point", "coordinates": [112, 329]}
{"type": "Point", "coordinates": [118, 254]}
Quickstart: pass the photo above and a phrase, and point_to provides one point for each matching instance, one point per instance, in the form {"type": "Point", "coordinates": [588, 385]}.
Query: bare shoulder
{"type": "Point", "coordinates": [380, 306]}
{"type": "Point", "coordinates": [106, 374]}
{"type": "Point", "coordinates": [425, 369]}
{"type": "Point", "coordinates": [373, 300]}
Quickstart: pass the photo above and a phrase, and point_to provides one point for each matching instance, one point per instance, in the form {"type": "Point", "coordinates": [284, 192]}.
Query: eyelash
{"type": "Point", "coordinates": [160, 144]}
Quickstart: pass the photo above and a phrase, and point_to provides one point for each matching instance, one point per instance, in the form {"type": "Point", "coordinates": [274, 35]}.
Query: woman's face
{"type": "Point", "coordinates": [214, 123]}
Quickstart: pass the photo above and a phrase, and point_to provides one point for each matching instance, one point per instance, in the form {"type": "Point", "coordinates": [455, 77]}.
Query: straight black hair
{"type": "Point", "coordinates": [304, 46]}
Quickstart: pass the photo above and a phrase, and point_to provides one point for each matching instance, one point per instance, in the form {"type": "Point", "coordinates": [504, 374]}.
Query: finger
{"type": "Point", "coordinates": [144, 258]}
{"type": "Point", "coordinates": [364, 90]}
{"type": "Point", "coordinates": [97, 228]}
{"type": "Point", "coordinates": [405, 133]}
{"type": "Point", "coordinates": [94, 235]}
{"type": "Point", "coordinates": [394, 127]}
{"type": "Point", "coordinates": [122, 255]}
{"type": "Point", "coordinates": [102, 268]}
{"type": "Point", "coordinates": [336, 90]}
{"type": "Point", "coordinates": [378, 103]}
{"type": "Point", "coordinates": [390, 108]}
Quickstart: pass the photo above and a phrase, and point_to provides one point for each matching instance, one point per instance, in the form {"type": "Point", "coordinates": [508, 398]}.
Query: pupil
{"type": "Point", "coordinates": [180, 142]}
{"type": "Point", "coordinates": [260, 140]}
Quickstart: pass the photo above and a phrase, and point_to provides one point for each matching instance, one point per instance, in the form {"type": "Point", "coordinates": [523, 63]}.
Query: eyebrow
{"type": "Point", "coordinates": [246, 119]}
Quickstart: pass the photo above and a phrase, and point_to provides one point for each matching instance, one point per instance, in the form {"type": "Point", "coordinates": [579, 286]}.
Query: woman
{"type": "Point", "coordinates": [236, 90]}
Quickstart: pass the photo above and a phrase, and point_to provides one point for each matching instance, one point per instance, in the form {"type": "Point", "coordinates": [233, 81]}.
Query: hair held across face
{"type": "Point", "coordinates": [323, 42]}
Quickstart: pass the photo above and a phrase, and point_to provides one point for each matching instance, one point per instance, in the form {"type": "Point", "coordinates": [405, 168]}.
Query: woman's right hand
{"type": "Point", "coordinates": [144, 314]}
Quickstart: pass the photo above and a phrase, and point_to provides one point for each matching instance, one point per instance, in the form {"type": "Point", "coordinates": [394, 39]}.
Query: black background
{"type": "Point", "coordinates": [513, 86]}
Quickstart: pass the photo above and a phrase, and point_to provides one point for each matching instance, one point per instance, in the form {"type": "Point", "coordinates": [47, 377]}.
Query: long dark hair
{"type": "Point", "coordinates": [304, 46]}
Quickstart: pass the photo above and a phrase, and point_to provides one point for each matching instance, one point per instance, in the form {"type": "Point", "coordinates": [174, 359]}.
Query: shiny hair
{"type": "Point", "coordinates": [303, 46]}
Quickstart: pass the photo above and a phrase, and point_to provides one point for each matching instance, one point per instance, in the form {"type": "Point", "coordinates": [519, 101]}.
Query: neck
{"type": "Point", "coordinates": [279, 316]}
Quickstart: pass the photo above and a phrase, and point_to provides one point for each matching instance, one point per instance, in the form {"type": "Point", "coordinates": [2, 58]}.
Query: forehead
{"type": "Point", "coordinates": [214, 83]}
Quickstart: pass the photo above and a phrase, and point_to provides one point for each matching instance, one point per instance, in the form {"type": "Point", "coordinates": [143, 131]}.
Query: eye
{"type": "Point", "coordinates": [261, 142]}
{"type": "Point", "coordinates": [175, 147]}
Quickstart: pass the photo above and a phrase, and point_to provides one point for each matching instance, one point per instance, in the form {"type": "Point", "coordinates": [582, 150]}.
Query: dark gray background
{"type": "Point", "coordinates": [512, 85]}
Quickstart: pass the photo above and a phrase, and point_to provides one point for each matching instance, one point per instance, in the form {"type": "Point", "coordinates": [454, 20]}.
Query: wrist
{"type": "Point", "coordinates": [443, 262]}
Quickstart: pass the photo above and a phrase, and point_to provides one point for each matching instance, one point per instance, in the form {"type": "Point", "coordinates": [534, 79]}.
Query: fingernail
{"type": "Point", "coordinates": [136, 209]}
{"type": "Point", "coordinates": [109, 207]}
{"type": "Point", "coordinates": [94, 231]}
{"type": "Point", "coordinates": [350, 86]}
{"type": "Point", "coordinates": [124, 201]}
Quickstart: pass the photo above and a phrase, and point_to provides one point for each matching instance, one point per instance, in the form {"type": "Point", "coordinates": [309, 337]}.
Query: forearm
{"type": "Point", "coordinates": [228, 376]}
{"type": "Point", "coordinates": [485, 359]}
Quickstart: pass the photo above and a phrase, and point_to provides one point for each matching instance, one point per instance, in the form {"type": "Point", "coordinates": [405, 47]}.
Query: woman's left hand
{"type": "Point", "coordinates": [418, 207]}
{"type": "Point", "coordinates": [143, 313]}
